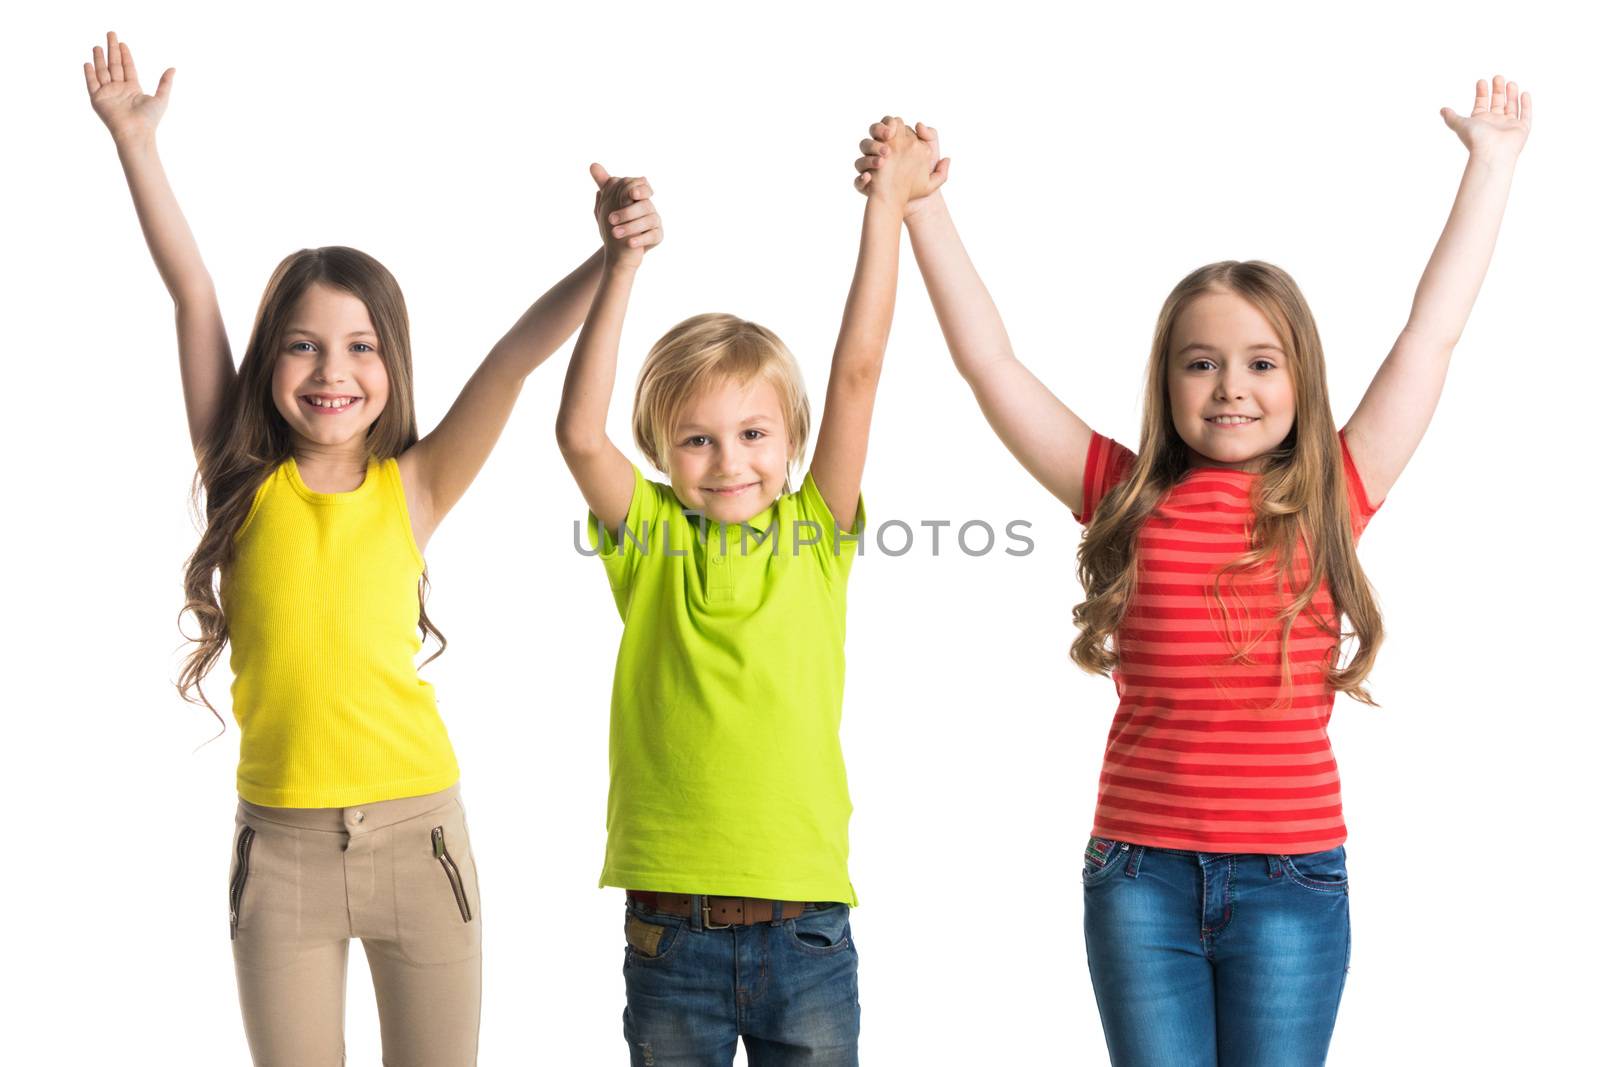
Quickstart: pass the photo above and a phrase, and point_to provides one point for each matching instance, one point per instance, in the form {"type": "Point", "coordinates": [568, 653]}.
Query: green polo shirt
{"type": "Point", "coordinates": [726, 773]}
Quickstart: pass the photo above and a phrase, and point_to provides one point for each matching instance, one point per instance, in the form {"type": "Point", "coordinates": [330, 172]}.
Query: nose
{"type": "Point", "coordinates": [328, 371]}
{"type": "Point", "coordinates": [1230, 385]}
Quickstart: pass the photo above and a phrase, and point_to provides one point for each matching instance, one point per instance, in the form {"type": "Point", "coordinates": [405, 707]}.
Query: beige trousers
{"type": "Point", "coordinates": [399, 875]}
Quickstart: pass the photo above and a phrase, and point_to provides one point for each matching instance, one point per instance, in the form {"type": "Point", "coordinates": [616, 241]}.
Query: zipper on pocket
{"type": "Point", "coordinates": [452, 872]}
{"type": "Point", "coordinates": [241, 872]}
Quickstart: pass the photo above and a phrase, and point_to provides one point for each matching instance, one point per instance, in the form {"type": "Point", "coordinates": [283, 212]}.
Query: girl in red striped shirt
{"type": "Point", "coordinates": [1218, 562]}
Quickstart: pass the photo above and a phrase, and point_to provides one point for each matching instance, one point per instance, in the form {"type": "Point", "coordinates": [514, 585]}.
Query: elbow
{"type": "Point", "coordinates": [577, 442]}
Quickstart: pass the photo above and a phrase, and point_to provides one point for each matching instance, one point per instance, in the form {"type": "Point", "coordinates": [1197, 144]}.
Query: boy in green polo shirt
{"type": "Point", "coordinates": [728, 814]}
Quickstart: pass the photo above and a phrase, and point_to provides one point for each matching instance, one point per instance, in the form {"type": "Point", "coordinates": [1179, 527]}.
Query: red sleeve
{"type": "Point", "coordinates": [1106, 464]}
{"type": "Point", "coordinates": [1361, 509]}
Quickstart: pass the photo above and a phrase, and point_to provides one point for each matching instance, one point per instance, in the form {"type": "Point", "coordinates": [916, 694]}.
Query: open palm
{"type": "Point", "coordinates": [1500, 119]}
{"type": "Point", "coordinates": [115, 94]}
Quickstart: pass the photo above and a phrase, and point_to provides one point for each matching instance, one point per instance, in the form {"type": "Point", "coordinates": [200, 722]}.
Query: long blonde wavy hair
{"type": "Point", "coordinates": [248, 438]}
{"type": "Point", "coordinates": [1300, 497]}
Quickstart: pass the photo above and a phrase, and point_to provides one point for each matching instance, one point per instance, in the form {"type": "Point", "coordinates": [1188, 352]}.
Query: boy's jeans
{"type": "Point", "coordinates": [788, 988]}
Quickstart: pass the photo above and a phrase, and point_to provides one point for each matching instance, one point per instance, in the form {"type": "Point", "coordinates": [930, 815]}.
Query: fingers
{"type": "Point", "coordinates": [1526, 106]}
{"type": "Point", "coordinates": [1497, 99]}
{"type": "Point", "coordinates": [101, 71]}
{"type": "Point", "coordinates": [1513, 101]}
{"type": "Point", "coordinates": [598, 173]}
{"type": "Point", "coordinates": [862, 181]}
{"type": "Point", "coordinates": [941, 174]}
{"type": "Point", "coordinates": [89, 79]}
{"type": "Point", "coordinates": [114, 57]}
{"type": "Point", "coordinates": [869, 147]}
{"type": "Point", "coordinates": [128, 72]}
{"type": "Point", "coordinates": [638, 226]}
{"type": "Point", "coordinates": [866, 163]}
{"type": "Point", "coordinates": [879, 131]}
{"type": "Point", "coordinates": [629, 212]}
{"type": "Point", "coordinates": [639, 189]}
{"type": "Point", "coordinates": [164, 86]}
{"type": "Point", "coordinates": [1480, 102]}
{"type": "Point", "coordinates": [644, 232]}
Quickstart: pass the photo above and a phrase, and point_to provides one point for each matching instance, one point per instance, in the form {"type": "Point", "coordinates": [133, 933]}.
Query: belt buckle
{"type": "Point", "coordinates": [705, 916]}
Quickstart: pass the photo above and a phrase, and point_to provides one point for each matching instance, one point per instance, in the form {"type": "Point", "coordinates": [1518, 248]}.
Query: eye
{"type": "Point", "coordinates": [1201, 364]}
{"type": "Point", "coordinates": [754, 435]}
{"type": "Point", "coordinates": [696, 441]}
{"type": "Point", "coordinates": [296, 346]}
{"type": "Point", "coordinates": [363, 347]}
{"type": "Point", "coordinates": [1263, 364]}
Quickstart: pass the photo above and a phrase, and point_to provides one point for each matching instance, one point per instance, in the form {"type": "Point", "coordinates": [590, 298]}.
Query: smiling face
{"type": "Point", "coordinates": [1228, 382]}
{"type": "Point", "coordinates": [329, 381]}
{"type": "Point", "coordinates": [729, 450]}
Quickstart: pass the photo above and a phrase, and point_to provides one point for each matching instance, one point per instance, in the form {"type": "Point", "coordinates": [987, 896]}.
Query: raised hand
{"type": "Point", "coordinates": [1500, 120]}
{"type": "Point", "coordinates": [115, 94]}
{"type": "Point", "coordinates": [878, 144]}
{"type": "Point", "coordinates": [627, 219]}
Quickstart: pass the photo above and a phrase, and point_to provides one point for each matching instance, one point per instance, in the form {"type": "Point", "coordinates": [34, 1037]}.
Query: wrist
{"type": "Point", "coordinates": [616, 267]}
{"type": "Point", "coordinates": [924, 208]}
{"type": "Point", "coordinates": [133, 141]}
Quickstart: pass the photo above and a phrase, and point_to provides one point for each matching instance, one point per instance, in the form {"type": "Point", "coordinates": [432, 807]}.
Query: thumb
{"type": "Point", "coordinates": [941, 173]}
{"type": "Point", "coordinates": [1451, 119]}
{"type": "Point", "coordinates": [598, 173]}
{"type": "Point", "coordinates": [164, 86]}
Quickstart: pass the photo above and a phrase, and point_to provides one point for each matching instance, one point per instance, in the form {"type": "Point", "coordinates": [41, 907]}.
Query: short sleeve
{"type": "Point", "coordinates": [647, 512]}
{"type": "Point", "coordinates": [834, 548]}
{"type": "Point", "coordinates": [1106, 464]}
{"type": "Point", "coordinates": [1361, 509]}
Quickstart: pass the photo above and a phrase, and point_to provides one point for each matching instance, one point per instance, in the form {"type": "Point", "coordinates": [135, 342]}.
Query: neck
{"type": "Point", "coordinates": [334, 468]}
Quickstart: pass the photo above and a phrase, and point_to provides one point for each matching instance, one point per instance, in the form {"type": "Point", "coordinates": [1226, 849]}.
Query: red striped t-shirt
{"type": "Point", "coordinates": [1198, 756]}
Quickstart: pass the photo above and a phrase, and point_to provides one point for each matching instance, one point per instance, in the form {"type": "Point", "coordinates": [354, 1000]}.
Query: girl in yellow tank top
{"type": "Point", "coordinates": [319, 498]}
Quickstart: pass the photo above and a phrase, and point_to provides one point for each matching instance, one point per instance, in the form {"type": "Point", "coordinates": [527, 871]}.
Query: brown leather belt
{"type": "Point", "coordinates": [719, 913]}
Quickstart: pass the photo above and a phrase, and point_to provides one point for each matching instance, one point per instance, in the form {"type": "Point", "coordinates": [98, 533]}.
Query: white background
{"type": "Point", "coordinates": [1097, 159]}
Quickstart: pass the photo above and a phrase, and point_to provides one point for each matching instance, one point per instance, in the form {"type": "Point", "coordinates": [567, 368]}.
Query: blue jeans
{"type": "Point", "coordinates": [1202, 959]}
{"type": "Point", "coordinates": [788, 988]}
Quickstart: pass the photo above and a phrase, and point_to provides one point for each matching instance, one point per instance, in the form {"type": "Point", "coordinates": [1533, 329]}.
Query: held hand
{"type": "Point", "coordinates": [879, 143]}
{"type": "Point", "coordinates": [1499, 122]}
{"type": "Point", "coordinates": [628, 220]}
{"type": "Point", "coordinates": [115, 94]}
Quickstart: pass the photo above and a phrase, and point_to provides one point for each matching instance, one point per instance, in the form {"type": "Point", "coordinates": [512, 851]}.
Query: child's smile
{"type": "Point", "coordinates": [729, 458]}
{"type": "Point", "coordinates": [329, 381]}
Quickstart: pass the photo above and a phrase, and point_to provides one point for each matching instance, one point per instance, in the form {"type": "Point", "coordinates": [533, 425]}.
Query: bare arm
{"type": "Point", "coordinates": [438, 469]}
{"type": "Point", "coordinates": [205, 362]}
{"type": "Point", "coordinates": [1394, 414]}
{"type": "Point", "coordinates": [603, 473]}
{"type": "Point", "coordinates": [841, 456]}
{"type": "Point", "coordinates": [1046, 437]}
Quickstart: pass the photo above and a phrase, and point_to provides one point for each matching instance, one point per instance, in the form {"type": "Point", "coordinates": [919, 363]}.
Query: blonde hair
{"type": "Point", "coordinates": [713, 348]}
{"type": "Point", "coordinates": [1300, 497]}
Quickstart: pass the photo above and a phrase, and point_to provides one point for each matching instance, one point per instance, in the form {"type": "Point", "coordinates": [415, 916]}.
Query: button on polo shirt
{"type": "Point", "coordinates": [727, 775]}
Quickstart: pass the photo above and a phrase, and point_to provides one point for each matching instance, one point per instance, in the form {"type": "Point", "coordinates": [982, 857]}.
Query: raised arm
{"type": "Point", "coordinates": [628, 226]}
{"type": "Point", "coordinates": [438, 469]}
{"type": "Point", "coordinates": [1047, 438]}
{"type": "Point", "coordinates": [205, 363]}
{"type": "Point", "coordinates": [1393, 415]}
{"type": "Point", "coordinates": [906, 172]}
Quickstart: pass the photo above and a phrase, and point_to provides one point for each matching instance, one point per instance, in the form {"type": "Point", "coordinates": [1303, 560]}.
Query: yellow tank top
{"type": "Point", "coordinates": [321, 600]}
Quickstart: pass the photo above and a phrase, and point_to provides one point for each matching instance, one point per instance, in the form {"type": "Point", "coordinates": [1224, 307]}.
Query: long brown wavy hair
{"type": "Point", "coordinates": [248, 438]}
{"type": "Point", "coordinates": [1300, 497]}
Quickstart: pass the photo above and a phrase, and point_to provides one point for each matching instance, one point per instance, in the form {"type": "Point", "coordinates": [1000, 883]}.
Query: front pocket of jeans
{"type": "Point", "coordinates": [822, 932]}
{"type": "Point", "coordinates": [241, 875]}
{"type": "Point", "coordinates": [650, 943]}
{"type": "Point", "coordinates": [1102, 856]}
{"type": "Point", "coordinates": [1322, 871]}
{"type": "Point", "coordinates": [452, 872]}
